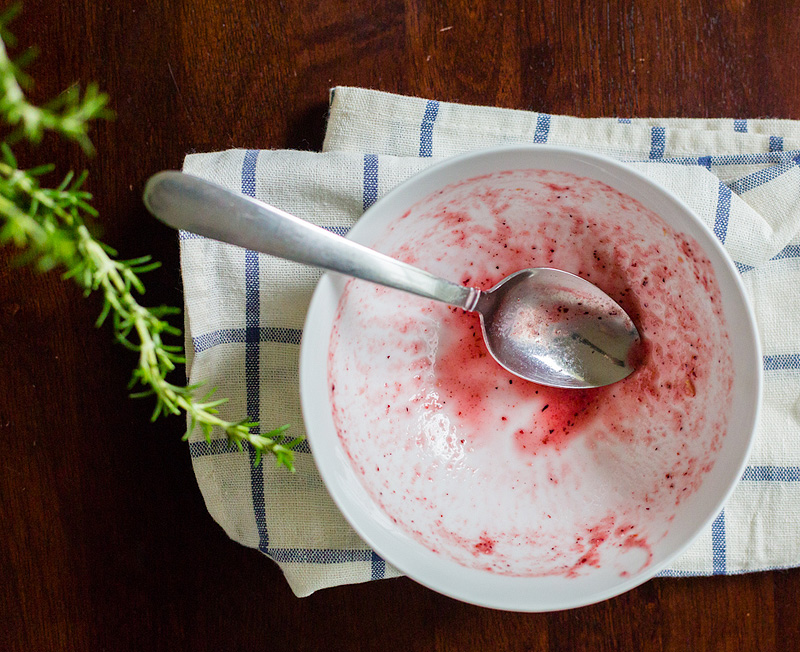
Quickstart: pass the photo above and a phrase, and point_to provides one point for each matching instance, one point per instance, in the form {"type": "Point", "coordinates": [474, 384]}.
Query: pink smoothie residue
{"type": "Point", "coordinates": [501, 474]}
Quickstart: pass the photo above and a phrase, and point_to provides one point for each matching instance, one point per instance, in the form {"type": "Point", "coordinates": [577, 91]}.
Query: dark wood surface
{"type": "Point", "coordinates": [106, 543]}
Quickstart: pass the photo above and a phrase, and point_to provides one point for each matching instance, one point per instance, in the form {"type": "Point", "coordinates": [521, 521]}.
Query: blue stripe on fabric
{"type": "Point", "coordinates": [771, 474]}
{"type": "Point", "coordinates": [742, 267]}
{"type": "Point", "coordinates": [680, 573]}
{"type": "Point", "coordinates": [318, 555]}
{"type": "Point", "coordinates": [705, 161]}
{"type": "Point", "coordinates": [203, 448]}
{"type": "Point", "coordinates": [740, 126]}
{"type": "Point", "coordinates": [302, 447]}
{"type": "Point", "coordinates": [624, 121]}
{"type": "Point", "coordinates": [338, 230]}
{"type": "Point", "coordinates": [426, 129]}
{"type": "Point", "coordinates": [789, 251]}
{"type": "Point", "coordinates": [208, 341]}
{"type": "Point", "coordinates": [252, 300]}
{"type": "Point", "coordinates": [765, 158]}
{"type": "Point", "coordinates": [249, 172]}
{"type": "Point", "coordinates": [781, 362]}
{"type": "Point", "coordinates": [370, 192]}
{"type": "Point", "coordinates": [542, 128]}
{"type": "Point", "coordinates": [252, 367]}
{"type": "Point", "coordinates": [658, 141]}
{"type": "Point", "coordinates": [756, 179]}
{"type": "Point", "coordinates": [776, 143]}
{"type": "Point", "coordinates": [762, 158]}
{"type": "Point", "coordinates": [378, 567]}
{"type": "Point", "coordinates": [718, 545]}
{"type": "Point", "coordinates": [723, 213]}
{"type": "Point", "coordinates": [252, 380]}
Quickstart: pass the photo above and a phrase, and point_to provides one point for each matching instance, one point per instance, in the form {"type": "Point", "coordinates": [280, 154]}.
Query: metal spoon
{"type": "Point", "coordinates": [544, 325]}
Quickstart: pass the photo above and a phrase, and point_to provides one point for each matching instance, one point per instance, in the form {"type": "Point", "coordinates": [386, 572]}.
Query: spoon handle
{"type": "Point", "coordinates": [193, 204]}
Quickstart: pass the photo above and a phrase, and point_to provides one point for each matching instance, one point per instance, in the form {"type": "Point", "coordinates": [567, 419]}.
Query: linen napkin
{"type": "Point", "coordinates": [245, 311]}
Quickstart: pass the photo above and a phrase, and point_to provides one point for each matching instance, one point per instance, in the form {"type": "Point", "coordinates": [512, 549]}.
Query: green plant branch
{"type": "Point", "coordinates": [50, 226]}
{"type": "Point", "coordinates": [68, 115]}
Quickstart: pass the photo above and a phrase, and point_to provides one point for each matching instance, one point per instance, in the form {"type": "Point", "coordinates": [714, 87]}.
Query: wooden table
{"type": "Point", "coordinates": [106, 543]}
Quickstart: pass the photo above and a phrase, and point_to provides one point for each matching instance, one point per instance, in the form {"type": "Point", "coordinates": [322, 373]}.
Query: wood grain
{"type": "Point", "coordinates": [106, 543]}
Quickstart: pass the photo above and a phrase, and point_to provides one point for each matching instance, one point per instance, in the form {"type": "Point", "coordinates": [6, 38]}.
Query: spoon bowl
{"type": "Point", "coordinates": [557, 329]}
{"type": "Point", "coordinates": [544, 325]}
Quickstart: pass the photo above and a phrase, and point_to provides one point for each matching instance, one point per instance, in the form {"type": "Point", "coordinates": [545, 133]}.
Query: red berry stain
{"type": "Point", "coordinates": [485, 545]}
{"type": "Point", "coordinates": [470, 380]}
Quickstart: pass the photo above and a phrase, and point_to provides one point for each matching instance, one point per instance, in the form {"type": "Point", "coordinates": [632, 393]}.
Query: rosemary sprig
{"type": "Point", "coordinates": [50, 225]}
{"type": "Point", "coordinates": [68, 115]}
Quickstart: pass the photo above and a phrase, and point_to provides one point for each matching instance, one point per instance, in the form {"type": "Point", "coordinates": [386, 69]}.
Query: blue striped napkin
{"type": "Point", "coordinates": [245, 311]}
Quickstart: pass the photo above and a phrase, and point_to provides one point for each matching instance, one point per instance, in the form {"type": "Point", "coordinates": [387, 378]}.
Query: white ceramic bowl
{"type": "Point", "coordinates": [544, 593]}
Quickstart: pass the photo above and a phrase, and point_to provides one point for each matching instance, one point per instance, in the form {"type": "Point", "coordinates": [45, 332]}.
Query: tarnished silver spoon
{"type": "Point", "coordinates": [545, 325]}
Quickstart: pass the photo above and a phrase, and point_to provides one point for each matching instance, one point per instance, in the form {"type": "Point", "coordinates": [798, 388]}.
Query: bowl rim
{"type": "Point", "coordinates": [309, 367]}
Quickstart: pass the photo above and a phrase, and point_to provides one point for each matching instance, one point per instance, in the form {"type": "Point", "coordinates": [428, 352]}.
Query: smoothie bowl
{"type": "Point", "coordinates": [499, 491]}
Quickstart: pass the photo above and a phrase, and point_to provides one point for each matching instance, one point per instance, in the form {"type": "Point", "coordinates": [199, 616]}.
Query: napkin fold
{"type": "Point", "coordinates": [245, 311]}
